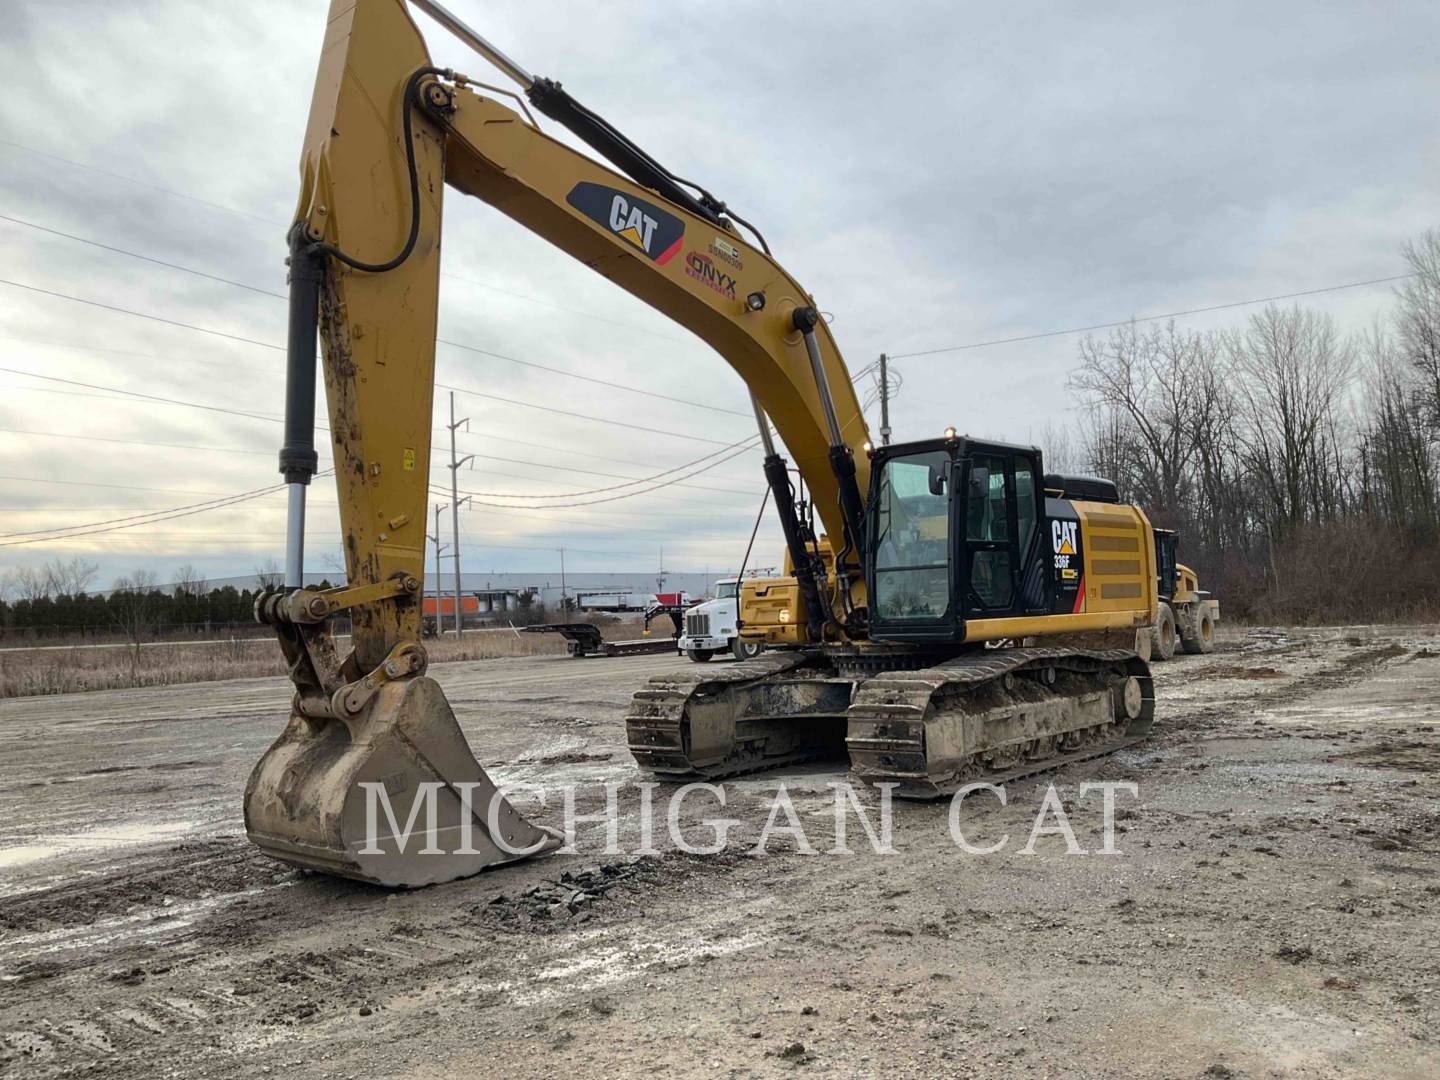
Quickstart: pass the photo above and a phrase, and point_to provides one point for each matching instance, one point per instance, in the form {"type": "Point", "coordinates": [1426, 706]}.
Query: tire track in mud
{"type": "Point", "coordinates": [1353, 668]}
{"type": "Point", "coordinates": [188, 871]}
{"type": "Point", "coordinates": [209, 995]}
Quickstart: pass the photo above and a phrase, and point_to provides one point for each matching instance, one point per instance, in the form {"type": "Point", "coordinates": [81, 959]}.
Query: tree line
{"type": "Point", "coordinates": [58, 599]}
{"type": "Point", "coordinates": [1298, 463]}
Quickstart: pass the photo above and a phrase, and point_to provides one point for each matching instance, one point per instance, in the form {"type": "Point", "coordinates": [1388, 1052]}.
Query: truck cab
{"type": "Point", "coordinates": [711, 626]}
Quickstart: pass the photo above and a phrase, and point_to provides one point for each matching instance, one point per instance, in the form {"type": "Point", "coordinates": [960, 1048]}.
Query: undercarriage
{"type": "Point", "coordinates": [929, 728]}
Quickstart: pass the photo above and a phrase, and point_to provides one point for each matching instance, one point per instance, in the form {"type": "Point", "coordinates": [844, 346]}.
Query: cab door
{"type": "Point", "coordinates": [1003, 571]}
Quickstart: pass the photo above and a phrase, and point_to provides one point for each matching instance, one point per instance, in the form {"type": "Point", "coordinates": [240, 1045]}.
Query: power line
{"type": "Point", "coordinates": [279, 348]}
{"type": "Point", "coordinates": [139, 442]}
{"type": "Point", "coordinates": [143, 397]}
{"type": "Point", "coordinates": [614, 487]}
{"type": "Point", "coordinates": [270, 453]}
{"type": "Point", "coordinates": [282, 297]}
{"type": "Point", "coordinates": [627, 495]}
{"type": "Point", "coordinates": [75, 532]}
{"type": "Point", "coordinates": [142, 183]}
{"type": "Point", "coordinates": [1152, 318]}
{"type": "Point", "coordinates": [229, 365]}
{"type": "Point", "coordinates": [275, 419]}
{"type": "Point", "coordinates": [137, 255]}
{"type": "Point", "coordinates": [152, 517]}
{"type": "Point", "coordinates": [96, 483]}
{"type": "Point", "coordinates": [282, 225]}
{"type": "Point", "coordinates": [580, 416]}
{"type": "Point", "coordinates": [590, 379]}
{"type": "Point", "coordinates": [506, 438]}
{"type": "Point", "coordinates": [142, 315]}
{"type": "Point", "coordinates": [562, 307]}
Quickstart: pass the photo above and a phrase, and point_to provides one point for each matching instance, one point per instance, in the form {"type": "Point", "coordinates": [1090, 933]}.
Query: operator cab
{"type": "Point", "coordinates": [957, 530]}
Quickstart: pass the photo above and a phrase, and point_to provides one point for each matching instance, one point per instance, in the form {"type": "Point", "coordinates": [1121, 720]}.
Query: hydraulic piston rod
{"type": "Point", "coordinates": [842, 462]}
{"type": "Point", "coordinates": [802, 559]}
{"type": "Point", "coordinates": [298, 460]}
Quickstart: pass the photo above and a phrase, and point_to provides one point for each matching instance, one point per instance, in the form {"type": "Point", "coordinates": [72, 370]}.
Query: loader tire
{"type": "Point", "coordinates": [1201, 632]}
{"type": "Point", "coordinates": [1162, 635]}
{"type": "Point", "coordinates": [746, 650]}
{"type": "Point", "coordinates": [700, 656]}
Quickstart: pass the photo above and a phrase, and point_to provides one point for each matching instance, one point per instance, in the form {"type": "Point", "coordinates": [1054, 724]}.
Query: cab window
{"type": "Point", "coordinates": [985, 516]}
{"type": "Point", "coordinates": [987, 528]}
{"type": "Point", "coordinates": [1025, 503]}
{"type": "Point", "coordinates": [912, 567]}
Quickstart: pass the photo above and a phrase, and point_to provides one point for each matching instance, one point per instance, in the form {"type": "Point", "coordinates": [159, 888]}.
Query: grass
{"type": "Point", "coordinates": [29, 672]}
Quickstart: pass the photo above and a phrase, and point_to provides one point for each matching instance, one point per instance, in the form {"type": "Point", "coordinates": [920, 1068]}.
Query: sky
{"type": "Point", "coordinates": [935, 174]}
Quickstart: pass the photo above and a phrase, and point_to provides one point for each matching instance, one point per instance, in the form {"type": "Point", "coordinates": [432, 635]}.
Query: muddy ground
{"type": "Point", "coordinates": [1274, 911]}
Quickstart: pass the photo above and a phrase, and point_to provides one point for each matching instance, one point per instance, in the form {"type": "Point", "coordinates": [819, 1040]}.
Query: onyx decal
{"type": "Point", "coordinates": [702, 269]}
{"type": "Point", "coordinates": [640, 223]}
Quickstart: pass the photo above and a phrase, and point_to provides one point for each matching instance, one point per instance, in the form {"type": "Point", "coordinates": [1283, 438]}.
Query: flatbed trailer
{"type": "Point", "coordinates": [583, 639]}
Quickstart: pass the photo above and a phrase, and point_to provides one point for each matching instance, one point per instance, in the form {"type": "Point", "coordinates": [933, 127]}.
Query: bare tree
{"type": "Point", "coordinates": [1219, 510]}
{"type": "Point", "coordinates": [1291, 369]}
{"type": "Point", "coordinates": [27, 583]}
{"type": "Point", "coordinates": [70, 577]}
{"type": "Point", "coordinates": [58, 577]}
{"type": "Point", "coordinates": [133, 608]}
{"type": "Point", "coordinates": [1147, 382]}
{"type": "Point", "coordinates": [1397, 458]}
{"type": "Point", "coordinates": [1417, 316]}
{"type": "Point", "coordinates": [187, 581]}
{"type": "Point", "coordinates": [269, 574]}
{"type": "Point", "coordinates": [1062, 453]}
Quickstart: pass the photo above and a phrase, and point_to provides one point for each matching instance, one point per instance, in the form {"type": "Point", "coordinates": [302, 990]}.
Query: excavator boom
{"type": "Point", "coordinates": [387, 133]}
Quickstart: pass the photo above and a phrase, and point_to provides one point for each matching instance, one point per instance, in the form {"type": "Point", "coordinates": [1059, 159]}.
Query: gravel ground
{"type": "Point", "coordinates": [1274, 910]}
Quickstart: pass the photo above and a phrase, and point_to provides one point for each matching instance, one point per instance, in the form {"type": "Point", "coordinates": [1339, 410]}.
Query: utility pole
{"type": "Point", "coordinates": [884, 399]}
{"type": "Point", "coordinates": [439, 547]}
{"type": "Point", "coordinates": [455, 502]}
{"type": "Point", "coordinates": [563, 607]}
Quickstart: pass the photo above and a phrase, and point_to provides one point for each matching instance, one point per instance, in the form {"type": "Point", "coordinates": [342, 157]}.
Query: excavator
{"type": "Point", "coordinates": [967, 617]}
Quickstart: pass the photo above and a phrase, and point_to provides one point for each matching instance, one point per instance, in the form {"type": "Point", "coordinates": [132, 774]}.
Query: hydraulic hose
{"type": "Point", "coordinates": [412, 89]}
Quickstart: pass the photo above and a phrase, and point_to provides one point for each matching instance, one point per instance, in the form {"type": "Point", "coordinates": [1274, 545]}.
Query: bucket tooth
{"type": "Point", "coordinates": [318, 798]}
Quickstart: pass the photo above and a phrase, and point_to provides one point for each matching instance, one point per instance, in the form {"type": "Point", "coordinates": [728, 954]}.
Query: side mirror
{"type": "Point", "coordinates": [938, 478]}
{"type": "Point", "coordinates": [979, 483]}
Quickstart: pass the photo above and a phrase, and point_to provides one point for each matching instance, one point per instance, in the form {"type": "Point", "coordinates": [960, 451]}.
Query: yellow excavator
{"type": "Point", "coordinates": [976, 618]}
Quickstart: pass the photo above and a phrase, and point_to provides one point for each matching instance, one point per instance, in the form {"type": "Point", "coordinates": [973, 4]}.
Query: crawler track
{"type": "Point", "coordinates": [994, 715]}
{"type": "Point", "coordinates": [708, 723]}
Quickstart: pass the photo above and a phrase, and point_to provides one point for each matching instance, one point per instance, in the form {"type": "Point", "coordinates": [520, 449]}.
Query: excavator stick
{"type": "Point", "coordinates": [372, 777]}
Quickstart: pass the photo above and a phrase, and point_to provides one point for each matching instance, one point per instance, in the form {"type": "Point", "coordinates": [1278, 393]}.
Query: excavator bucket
{"type": "Point", "coordinates": [392, 795]}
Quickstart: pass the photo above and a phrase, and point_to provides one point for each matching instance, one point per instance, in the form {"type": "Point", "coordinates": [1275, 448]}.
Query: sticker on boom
{"type": "Point", "coordinates": [641, 224]}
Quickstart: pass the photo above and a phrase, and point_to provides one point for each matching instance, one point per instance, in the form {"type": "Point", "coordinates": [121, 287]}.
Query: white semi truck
{"type": "Point", "coordinates": [712, 626]}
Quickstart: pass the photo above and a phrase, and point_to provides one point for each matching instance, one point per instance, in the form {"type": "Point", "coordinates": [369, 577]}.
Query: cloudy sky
{"type": "Point", "coordinates": [936, 174]}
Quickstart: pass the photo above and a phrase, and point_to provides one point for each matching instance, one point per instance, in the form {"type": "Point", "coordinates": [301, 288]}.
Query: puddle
{"type": "Point", "coordinates": [19, 856]}
{"type": "Point", "coordinates": [124, 835]}
{"type": "Point", "coordinates": [591, 964]}
{"type": "Point", "coordinates": [138, 925]}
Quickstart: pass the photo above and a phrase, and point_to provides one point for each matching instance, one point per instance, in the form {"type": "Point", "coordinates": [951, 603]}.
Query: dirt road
{"type": "Point", "coordinates": [1274, 911]}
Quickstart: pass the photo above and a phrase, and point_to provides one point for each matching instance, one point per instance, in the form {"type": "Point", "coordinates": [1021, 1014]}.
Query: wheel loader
{"type": "Point", "coordinates": [1187, 615]}
{"type": "Point", "coordinates": [976, 619]}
